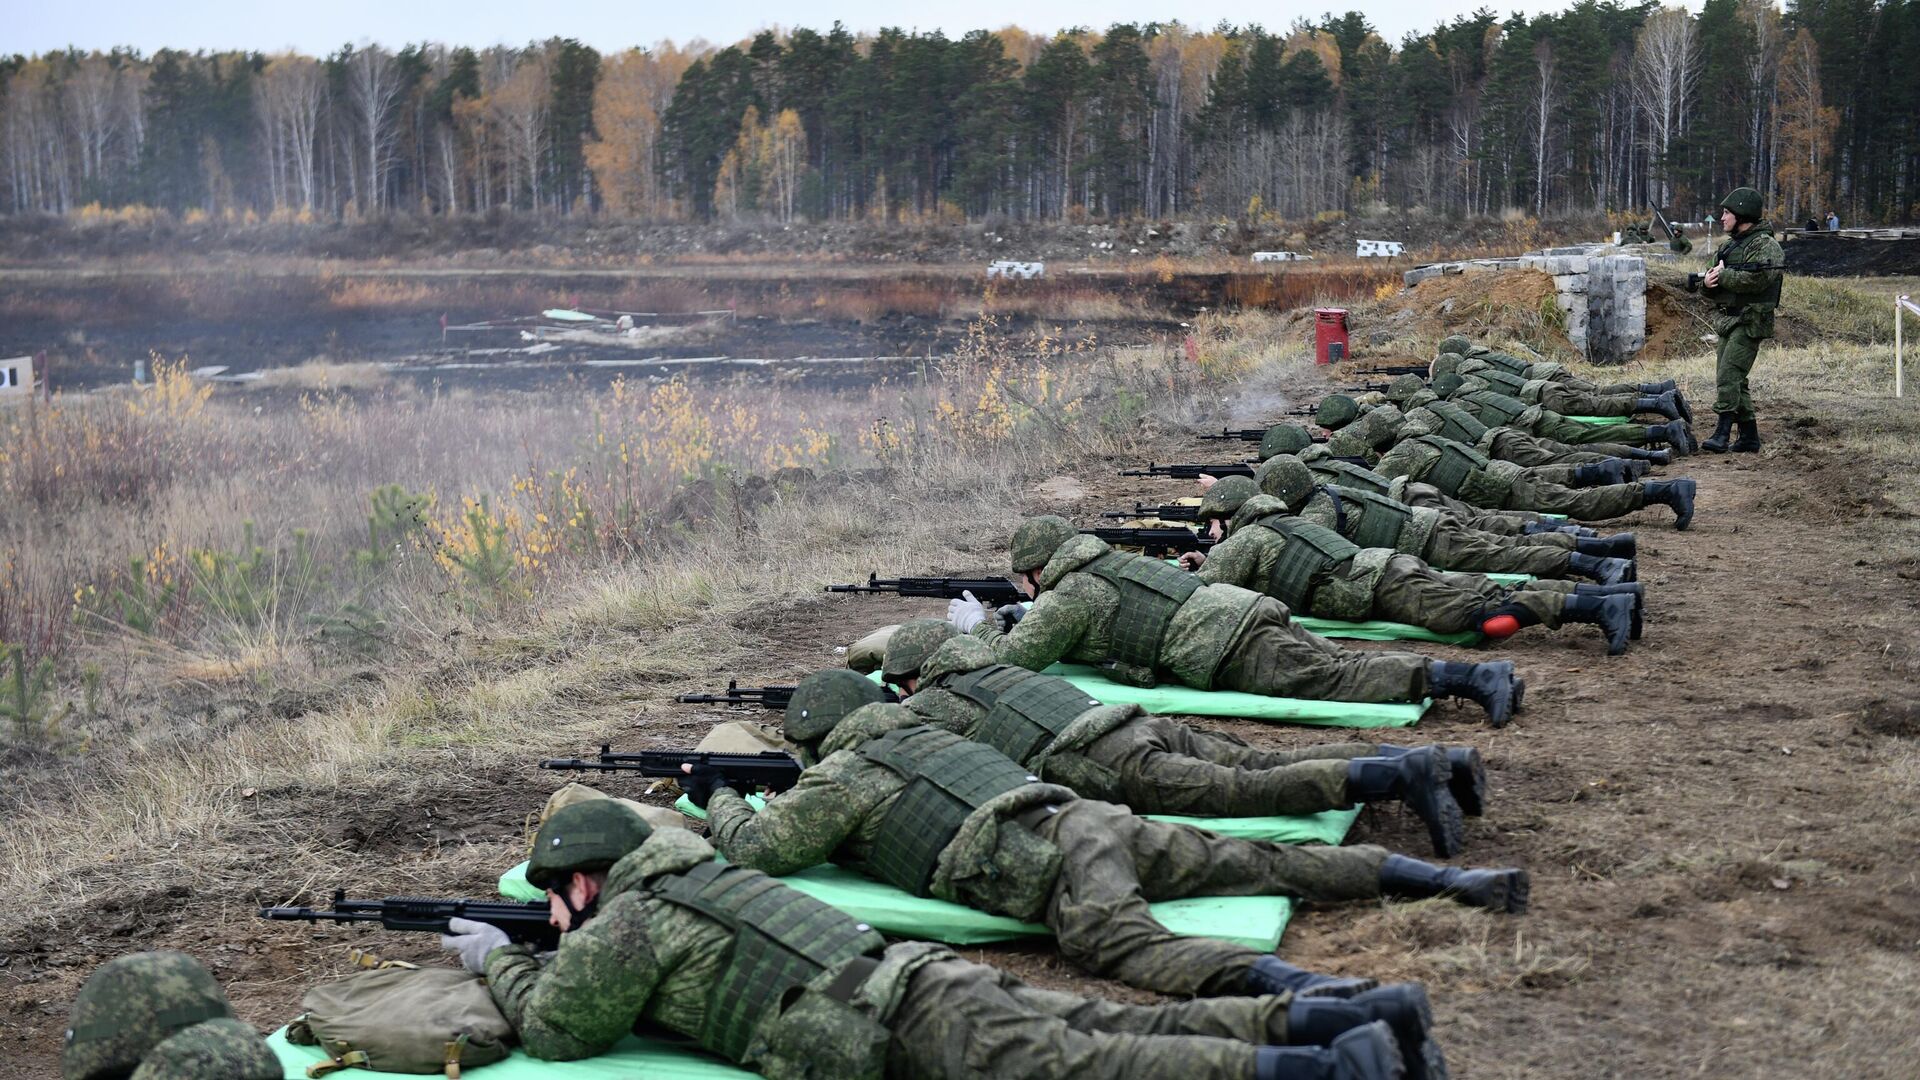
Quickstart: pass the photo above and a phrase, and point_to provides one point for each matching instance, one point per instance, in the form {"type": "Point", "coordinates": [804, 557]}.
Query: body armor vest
{"type": "Point", "coordinates": [1503, 381]}
{"type": "Point", "coordinates": [1348, 475]}
{"type": "Point", "coordinates": [1494, 409]}
{"type": "Point", "coordinates": [1025, 710]}
{"type": "Point", "coordinates": [1150, 592]}
{"type": "Point", "coordinates": [1733, 251]}
{"type": "Point", "coordinates": [1371, 520]}
{"type": "Point", "coordinates": [1457, 423]}
{"type": "Point", "coordinates": [1512, 365]}
{"type": "Point", "coordinates": [1457, 463]}
{"type": "Point", "coordinates": [782, 939]}
{"type": "Point", "coordinates": [948, 778]}
{"type": "Point", "coordinates": [1311, 550]}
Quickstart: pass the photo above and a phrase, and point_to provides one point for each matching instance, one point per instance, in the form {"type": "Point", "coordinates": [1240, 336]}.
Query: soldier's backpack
{"type": "Point", "coordinates": [400, 1019]}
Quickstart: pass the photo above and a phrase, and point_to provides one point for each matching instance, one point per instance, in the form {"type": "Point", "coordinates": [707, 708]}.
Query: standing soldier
{"type": "Point", "coordinates": [1745, 284]}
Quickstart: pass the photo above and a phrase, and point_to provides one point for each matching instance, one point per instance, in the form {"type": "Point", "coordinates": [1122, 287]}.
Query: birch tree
{"type": "Point", "coordinates": [373, 93]}
{"type": "Point", "coordinates": [1666, 67]}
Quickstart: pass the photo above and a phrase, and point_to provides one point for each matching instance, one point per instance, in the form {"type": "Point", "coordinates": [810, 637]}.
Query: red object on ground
{"type": "Point", "coordinates": [1500, 626]}
{"type": "Point", "coordinates": [1329, 335]}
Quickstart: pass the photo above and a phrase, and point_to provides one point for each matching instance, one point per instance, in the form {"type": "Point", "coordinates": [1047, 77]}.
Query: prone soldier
{"type": "Point", "coordinates": [160, 1016]}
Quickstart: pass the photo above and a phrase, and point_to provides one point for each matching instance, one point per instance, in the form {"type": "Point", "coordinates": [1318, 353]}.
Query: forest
{"type": "Point", "coordinates": [1600, 107]}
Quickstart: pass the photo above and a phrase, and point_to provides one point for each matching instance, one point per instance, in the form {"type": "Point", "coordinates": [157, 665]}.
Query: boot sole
{"type": "Point", "coordinates": [1370, 1053]}
{"type": "Point", "coordinates": [1445, 828]}
{"type": "Point", "coordinates": [1468, 780]}
{"type": "Point", "coordinates": [1412, 1028]}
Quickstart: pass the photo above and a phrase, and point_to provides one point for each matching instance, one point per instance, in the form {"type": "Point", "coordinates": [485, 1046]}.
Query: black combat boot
{"type": "Point", "coordinates": [1617, 546]}
{"type": "Point", "coordinates": [1680, 402]}
{"type": "Point", "coordinates": [1272, 975]}
{"type": "Point", "coordinates": [1660, 387]}
{"type": "Point", "coordinates": [1490, 685]}
{"type": "Point", "coordinates": [1660, 403]}
{"type": "Point", "coordinates": [1649, 455]}
{"type": "Point", "coordinates": [1467, 773]}
{"type": "Point", "coordinates": [1676, 434]}
{"type": "Point", "coordinates": [1749, 440]}
{"type": "Point", "coordinates": [1628, 588]}
{"type": "Point", "coordinates": [1722, 432]}
{"type": "Point", "coordinates": [1369, 1052]}
{"type": "Point", "coordinates": [1535, 528]}
{"type": "Point", "coordinates": [1675, 493]}
{"type": "Point", "coordinates": [1603, 569]}
{"type": "Point", "coordinates": [1502, 890]}
{"type": "Point", "coordinates": [1600, 473]}
{"type": "Point", "coordinates": [1612, 614]}
{"type": "Point", "coordinates": [1419, 779]}
{"type": "Point", "coordinates": [1403, 1007]}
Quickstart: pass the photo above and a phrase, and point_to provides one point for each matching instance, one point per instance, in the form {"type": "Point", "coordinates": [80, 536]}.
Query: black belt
{"type": "Point", "coordinates": [848, 981]}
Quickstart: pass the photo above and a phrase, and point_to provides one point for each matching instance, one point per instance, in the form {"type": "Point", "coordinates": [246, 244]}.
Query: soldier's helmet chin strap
{"type": "Point", "coordinates": [577, 916]}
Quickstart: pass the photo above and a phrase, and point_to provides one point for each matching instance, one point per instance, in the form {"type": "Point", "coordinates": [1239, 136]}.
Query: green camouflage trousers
{"type": "Point", "coordinates": [1473, 551]}
{"type": "Point", "coordinates": [1580, 504]}
{"type": "Point", "coordinates": [1161, 766]}
{"type": "Point", "coordinates": [1561, 429]}
{"type": "Point", "coordinates": [1499, 522]}
{"type": "Point", "coordinates": [1117, 863]}
{"type": "Point", "coordinates": [1731, 366]}
{"type": "Point", "coordinates": [1273, 655]}
{"type": "Point", "coordinates": [965, 1021]}
{"type": "Point", "coordinates": [1512, 444]}
{"type": "Point", "coordinates": [1412, 592]}
{"type": "Point", "coordinates": [1570, 402]}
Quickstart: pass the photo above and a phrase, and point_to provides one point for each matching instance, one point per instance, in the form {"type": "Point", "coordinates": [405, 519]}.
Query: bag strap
{"type": "Point", "coordinates": [451, 1062]}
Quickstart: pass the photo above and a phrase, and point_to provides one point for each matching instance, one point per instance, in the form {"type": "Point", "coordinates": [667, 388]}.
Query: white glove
{"type": "Point", "coordinates": [966, 613]}
{"type": "Point", "coordinates": [473, 941]}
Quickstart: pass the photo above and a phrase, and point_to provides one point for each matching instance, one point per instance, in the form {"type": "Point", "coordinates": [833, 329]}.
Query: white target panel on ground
{"type": "Point", "coordinates": [16, 375]}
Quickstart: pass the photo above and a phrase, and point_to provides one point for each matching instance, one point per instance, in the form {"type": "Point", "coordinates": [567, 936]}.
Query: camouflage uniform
{"type": "Point", "coordinates": [1507, 486]}
{"type": "Point", "coordinates": [1447, 544]}
{"type": "Point", "coordinates": [1221, 638]}
{"type": "Point", "coordinates": [1086, 869]}
{"type": "Point", "coordinates": [1153, 764]}
{"type": "Point", "coordinates": [1506, 523]}
{"type": "Point", "coordinates": [1479, 358]}
{"type": "Point", "coordinates": [1503, 443]}
{"type": "Point", "coordinates": [644, 958]}
{"type": "Point", "coordinates": [1371, 583]}
{"type": "Point", "coordinates": [160, 1016]}
{"type": "Point", "coordinates": [1746, 299]}
{"type": "Point", "coordinates": [1502, 410]}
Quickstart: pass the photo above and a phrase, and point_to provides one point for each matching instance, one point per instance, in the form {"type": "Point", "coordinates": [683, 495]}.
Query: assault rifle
{"type": "Point", "coordinates": [770, 769]}
{"type": "Point", "coordinates": [770, 697]}
{"type": "Point", "coordinates": [1252, 434]}
{"type": "Point", "coordinates": [994, 591]}
{"type": "Point", "coordinates": [1155, 541]}
{"type": "Point", "coordinates": [1193, 472]}
{"type": "Point", "coordinates": [1168, 512]}
{"type": "Point", "coordinates": [525, 923]}
{"type": "Point", "coordinates": [1696, 281]}
{"type": "Point", "coordinates": [1393, 369]}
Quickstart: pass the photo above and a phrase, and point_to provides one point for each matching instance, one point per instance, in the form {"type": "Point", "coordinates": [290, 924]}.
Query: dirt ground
{"type": "Point", "coordinates": [1719, 824]}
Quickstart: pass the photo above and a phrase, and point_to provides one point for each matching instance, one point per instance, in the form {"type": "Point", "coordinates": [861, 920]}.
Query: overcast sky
{"type": "Point", "coordinates": [34, 26]}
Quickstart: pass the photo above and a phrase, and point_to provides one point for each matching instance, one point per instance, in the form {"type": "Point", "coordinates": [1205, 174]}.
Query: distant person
{"type": "Point", "coordinates": [1745, 285]}
{"type": "Point", "coordinates": [1833, 221]}
{"type": "Point", "coordinates": [1813, 224]}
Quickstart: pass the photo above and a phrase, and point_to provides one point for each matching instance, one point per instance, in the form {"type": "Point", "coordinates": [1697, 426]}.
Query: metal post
{"type": "Point", "coordinates": [1899, 346]}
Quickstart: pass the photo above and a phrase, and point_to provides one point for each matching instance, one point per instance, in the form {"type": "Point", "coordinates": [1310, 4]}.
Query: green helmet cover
{"type": "Point", "coordinates": [1445, 385]}
{"type": "Point", "coordinates": [221, 1049]}
{"type": "Point", "coordinates": [1284, 439]}
{"type": "Point", "coordinates": [132, 1004]}
{"type": "Point", "coordinates": [1037, 538]}
{"type": "Point", "coordinates": [824, 698]}
{"type": "Point", "coordinates": [1228, 495]}
{"type": "Point", "coordinates": [1336, 411]}
{"type": "Point", "coordinates": [913, 644]}
{"type": "Point", "coordinates": [1744, 202]}
{"type": "Point", "coordinates": [1287, 479]}
{"type": "Point", "coordinates": [1455, 343]}
{"type": "Point", "coordinates": [1447, 363]}
{"type": "Point", "coordinates": [1404, 387]}
{"type": "Point", "coordinates": [584, 837]}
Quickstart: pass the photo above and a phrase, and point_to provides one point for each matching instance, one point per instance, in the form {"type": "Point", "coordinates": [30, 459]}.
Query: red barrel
{"type": "Point", "coordinates": [1329, 334]}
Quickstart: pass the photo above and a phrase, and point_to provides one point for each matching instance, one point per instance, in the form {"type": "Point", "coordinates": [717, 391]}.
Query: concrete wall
{"type": "Point", "coordinates": [1601, 292]}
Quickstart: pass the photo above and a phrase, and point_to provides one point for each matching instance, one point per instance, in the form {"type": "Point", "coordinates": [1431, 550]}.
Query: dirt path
{"type": "Point", "coordinates": [1719, 824]}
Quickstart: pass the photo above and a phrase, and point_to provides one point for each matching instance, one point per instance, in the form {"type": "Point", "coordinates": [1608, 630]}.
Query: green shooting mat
{"type": "Point", "coordinates": [1254, 921]}
{"type": "Point", "coordinates": [633, 1056]}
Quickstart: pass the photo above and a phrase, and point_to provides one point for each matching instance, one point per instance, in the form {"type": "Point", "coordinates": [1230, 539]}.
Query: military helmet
{"type": "Point", "coordinates": [1287, 479]}
{"type": "Point", "coordinates": [1228, 495]}
{"type": "Point", "coordinates": [1284, 439]}
{"type": "Point", "coordinates": [1403, 387]}
{"type": "Point", "coordinates": [1037, 538]}
{"type": "Point", "coordinates": [824, 698]}
{"type": "Point", "coordinates": [1744, 202]}
{"type": "Point", "coordinates": [1445, 385]}
{"type": "Point", "coordinates": [224, 1048]}
{"type": "Point", "coordinates": [1455, 343]}
{"type": "Point", "coordinates": [1447, 363]}
{"type": "Point", "coordinates": [584, 837]}
{"type": "Point", "coordinates": [1336, 411]}
{"type": "Point", "coordinates": [132, 1004]}
{"type": "Point", "coordinates": [913, 644]}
